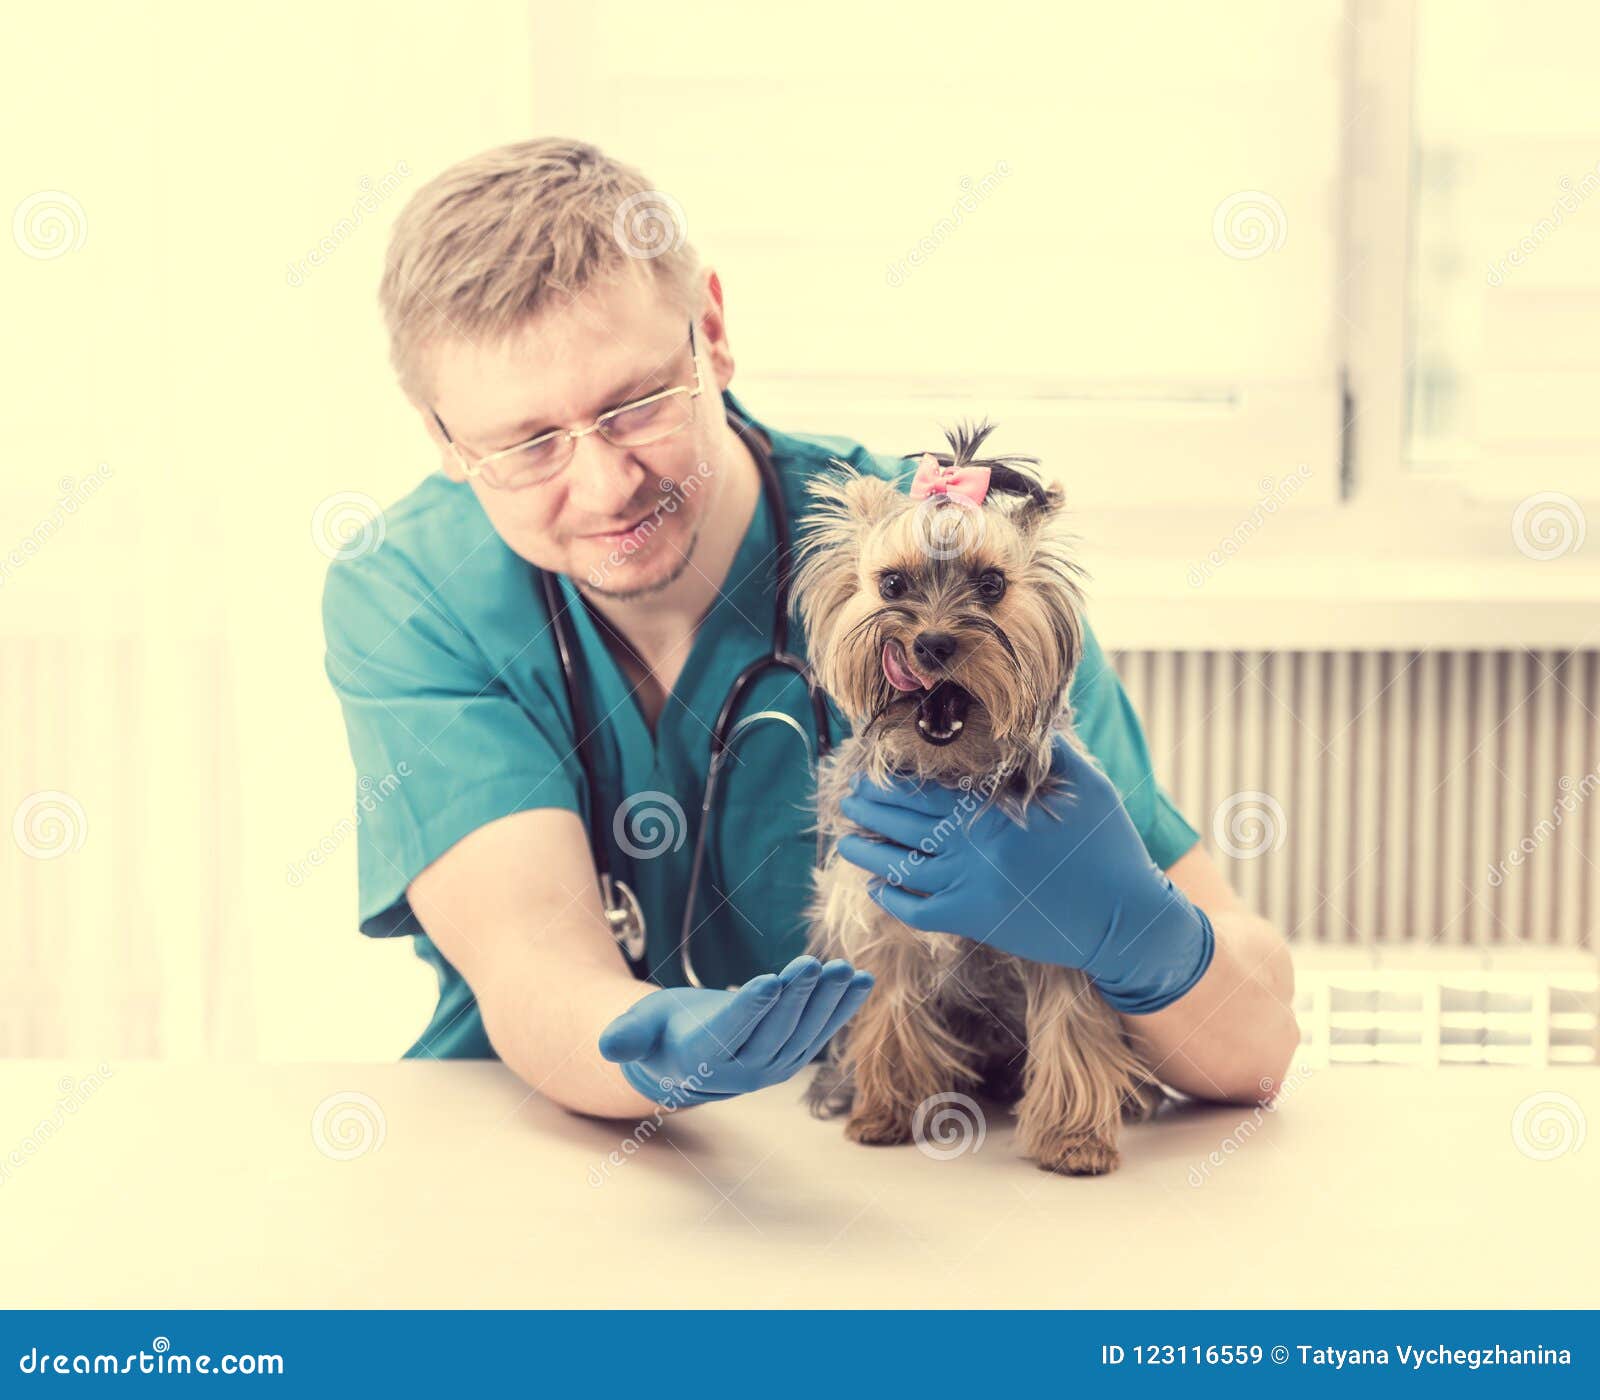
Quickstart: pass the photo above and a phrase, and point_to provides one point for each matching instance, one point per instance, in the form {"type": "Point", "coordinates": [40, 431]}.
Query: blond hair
{"type": "Point", "coordinates": [492, 241]}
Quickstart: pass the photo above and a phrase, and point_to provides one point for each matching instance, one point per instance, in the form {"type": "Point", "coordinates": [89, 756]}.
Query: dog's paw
{"type": "Point", "coordinates": [831, 1093]}
{"type": "Point", "coordinates": [1079, 1156]}
{"type": "Point", "coordinates": [878, 1130]}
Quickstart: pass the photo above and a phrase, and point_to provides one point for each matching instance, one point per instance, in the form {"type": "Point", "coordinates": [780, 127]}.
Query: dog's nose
{"type": "Point", "coordinates": [934, 648]}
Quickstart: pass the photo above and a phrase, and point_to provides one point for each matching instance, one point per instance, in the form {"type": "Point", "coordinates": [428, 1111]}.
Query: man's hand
{"type": "Point", "coordinates": [1074, 886]}
{"type": "Point", "coordinates": [685, 1045]}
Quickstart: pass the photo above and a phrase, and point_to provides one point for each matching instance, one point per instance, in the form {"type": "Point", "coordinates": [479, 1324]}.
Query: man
{"type": "Point", "coordinates": [575, 379]}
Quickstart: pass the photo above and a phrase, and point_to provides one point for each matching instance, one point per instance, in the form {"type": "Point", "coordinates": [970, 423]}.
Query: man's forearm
{"type": "Point", "coordinates": [544, 1019]}
{"type": "Point", "coordinates": [1232, 1035]}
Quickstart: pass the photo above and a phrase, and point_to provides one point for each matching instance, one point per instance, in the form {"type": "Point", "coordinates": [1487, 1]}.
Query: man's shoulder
{"type": "Point", "coordinates": [810, 453]}
{"type": "Point", "coordinates": [431, 546]}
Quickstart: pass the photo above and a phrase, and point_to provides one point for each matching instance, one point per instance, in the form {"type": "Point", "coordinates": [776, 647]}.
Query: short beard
{"type": "Point", "coordinates": [624, 595]}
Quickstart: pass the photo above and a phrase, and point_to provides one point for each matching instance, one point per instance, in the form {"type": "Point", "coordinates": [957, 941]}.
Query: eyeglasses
{"type": "Point", "coordinates": [635, 424]}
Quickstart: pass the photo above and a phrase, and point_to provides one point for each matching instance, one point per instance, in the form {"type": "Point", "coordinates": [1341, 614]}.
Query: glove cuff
{"type": "Point", "coordinates": [1160, 979]}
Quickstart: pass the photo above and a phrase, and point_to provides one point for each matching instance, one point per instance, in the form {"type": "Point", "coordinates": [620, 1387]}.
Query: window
{"type": "Point", "coordinates": [1068, 232]}
{"type": "Point", "coordinates": [1505, 294]}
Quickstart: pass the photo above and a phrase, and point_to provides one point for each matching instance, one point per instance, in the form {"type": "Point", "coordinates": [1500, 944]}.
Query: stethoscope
{"type": "Point", "coordinates": [621, 905]}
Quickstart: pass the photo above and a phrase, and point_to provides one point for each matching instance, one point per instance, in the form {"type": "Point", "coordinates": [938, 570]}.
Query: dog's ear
{"type": "Point", "coordinates": [846, 495]}
{"type": "Point", "coordinates": [847, 502]}
{"type": "Point", "coordinates": [1045, 503]}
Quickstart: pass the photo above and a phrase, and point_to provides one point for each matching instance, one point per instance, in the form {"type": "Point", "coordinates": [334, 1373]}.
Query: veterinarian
{"type": "Point", "coordinates": [539, 289]}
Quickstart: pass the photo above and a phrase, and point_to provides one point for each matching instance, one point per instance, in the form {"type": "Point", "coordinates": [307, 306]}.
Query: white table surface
{"type": "Point", "coordinates": [202, 1186]}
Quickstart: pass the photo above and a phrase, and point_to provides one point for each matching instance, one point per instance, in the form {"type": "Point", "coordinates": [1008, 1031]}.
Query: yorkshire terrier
{"type": "Point", "coordinates": [946, 624]}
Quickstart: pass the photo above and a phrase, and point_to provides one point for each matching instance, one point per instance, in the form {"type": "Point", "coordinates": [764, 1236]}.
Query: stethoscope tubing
{"type": "Point", "coordinates": [621, 906]}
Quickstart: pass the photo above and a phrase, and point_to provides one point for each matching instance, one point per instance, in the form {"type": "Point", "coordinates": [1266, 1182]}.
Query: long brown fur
{"type": "Point", "coordinates": [948, 1014]}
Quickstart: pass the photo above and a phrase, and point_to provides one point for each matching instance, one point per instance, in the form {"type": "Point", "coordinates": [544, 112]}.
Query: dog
{"type": "Point", "coordinates": [947, 629]}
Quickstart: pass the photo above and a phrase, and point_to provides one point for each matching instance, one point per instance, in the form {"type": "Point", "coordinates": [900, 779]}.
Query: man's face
{"type": "Point", "coordinates": [621, 520]}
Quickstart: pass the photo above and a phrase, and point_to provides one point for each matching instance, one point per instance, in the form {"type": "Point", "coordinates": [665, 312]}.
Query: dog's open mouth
{"type": "Point", "coordinates": [941, 706]}
{"type": "Point", "coordinates": [942, 712]}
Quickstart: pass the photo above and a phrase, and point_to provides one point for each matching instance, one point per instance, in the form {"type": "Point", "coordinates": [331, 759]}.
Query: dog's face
{"type": "Point", "coordinates": [946, 631]}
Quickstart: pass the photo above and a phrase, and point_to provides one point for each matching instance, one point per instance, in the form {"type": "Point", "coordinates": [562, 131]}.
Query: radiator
{"type": "Point", "coordinates": [1389, 798]}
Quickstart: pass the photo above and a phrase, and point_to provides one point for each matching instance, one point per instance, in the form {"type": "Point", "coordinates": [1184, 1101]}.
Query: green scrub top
{"type": "Point", "coordinates": [440, 649]}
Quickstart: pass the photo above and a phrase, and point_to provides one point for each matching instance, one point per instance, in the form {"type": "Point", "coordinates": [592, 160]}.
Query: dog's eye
{"type": "Point", "coordinates": [991, 585]}
{"type": "Point", "coordinates": [891, 584]}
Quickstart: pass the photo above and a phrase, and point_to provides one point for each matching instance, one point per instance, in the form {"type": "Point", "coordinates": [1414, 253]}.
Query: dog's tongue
{"type": "Point", "coordinates": [901, 676]}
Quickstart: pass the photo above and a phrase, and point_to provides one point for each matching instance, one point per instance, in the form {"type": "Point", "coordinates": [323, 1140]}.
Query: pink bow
{"type": "Point", "coordinates": [933, 478]}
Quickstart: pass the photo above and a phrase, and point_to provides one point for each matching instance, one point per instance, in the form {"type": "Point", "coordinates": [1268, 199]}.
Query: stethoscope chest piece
{"type": "Point", "coordinates": [624, 916]}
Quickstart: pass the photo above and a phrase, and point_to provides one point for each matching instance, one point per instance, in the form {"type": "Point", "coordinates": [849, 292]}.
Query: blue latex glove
{"type": "Point", "coordinates": [1075, 886]}
{"type": "Point", "coordinates": [684, 1045]}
